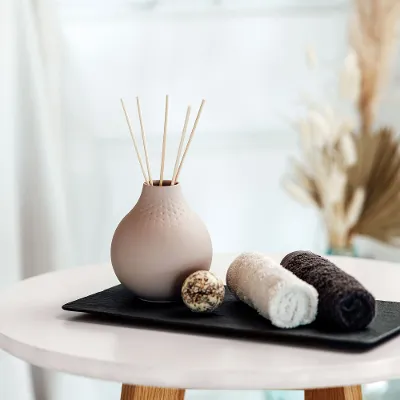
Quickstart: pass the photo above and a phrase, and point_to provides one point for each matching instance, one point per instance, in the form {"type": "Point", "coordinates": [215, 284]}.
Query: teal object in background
{"type": "Point", "coordinates": [346, 251]}
{"type": "Point", "coordinates": [374, 391]}
{"type": "Point", "coordinates": [244, 395]}
{"type": "Point", "coordinates": [284, 395]}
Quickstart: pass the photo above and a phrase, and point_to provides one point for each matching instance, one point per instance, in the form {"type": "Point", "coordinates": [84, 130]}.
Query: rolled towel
{"type": "Point", "coordinates": [274, 292]}
{"type": "Point", "coordinates": [344, 303]}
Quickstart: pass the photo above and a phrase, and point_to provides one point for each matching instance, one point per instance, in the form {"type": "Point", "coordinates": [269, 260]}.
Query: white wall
{"type": "Point", "coordinates": [249, 67]}
{"type": "Point", "coordinates": [248, 63]}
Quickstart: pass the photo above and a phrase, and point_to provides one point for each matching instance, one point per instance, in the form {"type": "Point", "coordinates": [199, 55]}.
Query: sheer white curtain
{"type": "Point", "coordinates": [34, 232]}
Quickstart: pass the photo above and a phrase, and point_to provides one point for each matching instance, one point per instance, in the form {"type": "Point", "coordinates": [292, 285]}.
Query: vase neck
{"type": "Point", "coordinates": [157, 194]}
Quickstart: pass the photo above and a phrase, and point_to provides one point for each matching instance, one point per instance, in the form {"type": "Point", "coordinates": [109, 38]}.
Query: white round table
{"type": "Point", "coordinates": [151, 363]}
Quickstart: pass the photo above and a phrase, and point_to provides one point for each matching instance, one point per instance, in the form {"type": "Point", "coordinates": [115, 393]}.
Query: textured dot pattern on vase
{"type": "Point", "coordinates": [165, 212]}
{"type": "Point", "coordinates": [202, 291]}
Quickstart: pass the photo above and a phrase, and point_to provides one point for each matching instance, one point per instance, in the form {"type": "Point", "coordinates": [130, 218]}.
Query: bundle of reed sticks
{"type": "Point", "coordinates": [179, 157]}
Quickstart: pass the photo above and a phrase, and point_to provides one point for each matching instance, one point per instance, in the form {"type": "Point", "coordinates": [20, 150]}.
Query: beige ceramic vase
{"type": "Point", "coordinates": [159, 243]}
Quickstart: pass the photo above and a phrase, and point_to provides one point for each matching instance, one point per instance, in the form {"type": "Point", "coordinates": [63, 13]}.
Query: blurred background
{"type": "Point", "coordinates": [69, 172]}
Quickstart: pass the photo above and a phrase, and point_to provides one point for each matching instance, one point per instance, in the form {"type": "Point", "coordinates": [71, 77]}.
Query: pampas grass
{"type": "Point", "coordinates": [373, 37]}
{"type": "Point", "coordinates": [380, 155]}
{"type": "Point", "coordinates": [349, 170]}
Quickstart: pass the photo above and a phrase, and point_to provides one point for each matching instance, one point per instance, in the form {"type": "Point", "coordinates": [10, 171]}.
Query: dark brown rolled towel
{"type": "Point", "coordinates": [344, 304]}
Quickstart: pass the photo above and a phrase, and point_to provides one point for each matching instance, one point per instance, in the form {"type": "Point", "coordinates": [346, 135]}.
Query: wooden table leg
{"type": "Point", "coordinates": [340, 393]}
{"type": "Point", "coordinates": [130, 392]}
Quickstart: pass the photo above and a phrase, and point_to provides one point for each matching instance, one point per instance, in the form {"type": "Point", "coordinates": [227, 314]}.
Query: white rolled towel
{"type": "Point", "coordinates": [272, 290]}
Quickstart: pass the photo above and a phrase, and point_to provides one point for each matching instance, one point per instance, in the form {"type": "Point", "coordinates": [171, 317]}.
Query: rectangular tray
{"type": "Point", "coordinates": [233, 319]}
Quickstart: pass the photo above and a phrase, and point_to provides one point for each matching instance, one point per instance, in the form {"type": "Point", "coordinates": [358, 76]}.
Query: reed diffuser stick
{"type": "Point", "coordinates": [178, 156]}
{"type": "Point", "coordinates": [144, 141]}
{"type": "Point", "coordinates": [134, 141]}
{"type": "Point", "coordinates": [190, 139]}
{"type": "Point", "coordinates": [164, 141]}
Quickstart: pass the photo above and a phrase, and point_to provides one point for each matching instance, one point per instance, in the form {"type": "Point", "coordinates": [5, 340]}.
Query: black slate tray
{"type": "Point", "coordinates": [233, 319]}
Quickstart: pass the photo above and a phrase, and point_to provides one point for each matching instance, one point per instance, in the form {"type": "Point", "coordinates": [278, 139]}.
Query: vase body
{"type": "Point", "coordinates": [159, 243]}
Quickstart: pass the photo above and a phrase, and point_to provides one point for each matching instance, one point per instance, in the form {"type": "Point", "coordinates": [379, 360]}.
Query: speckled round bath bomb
{"type": "Point", "coordinates": [202, 291]}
